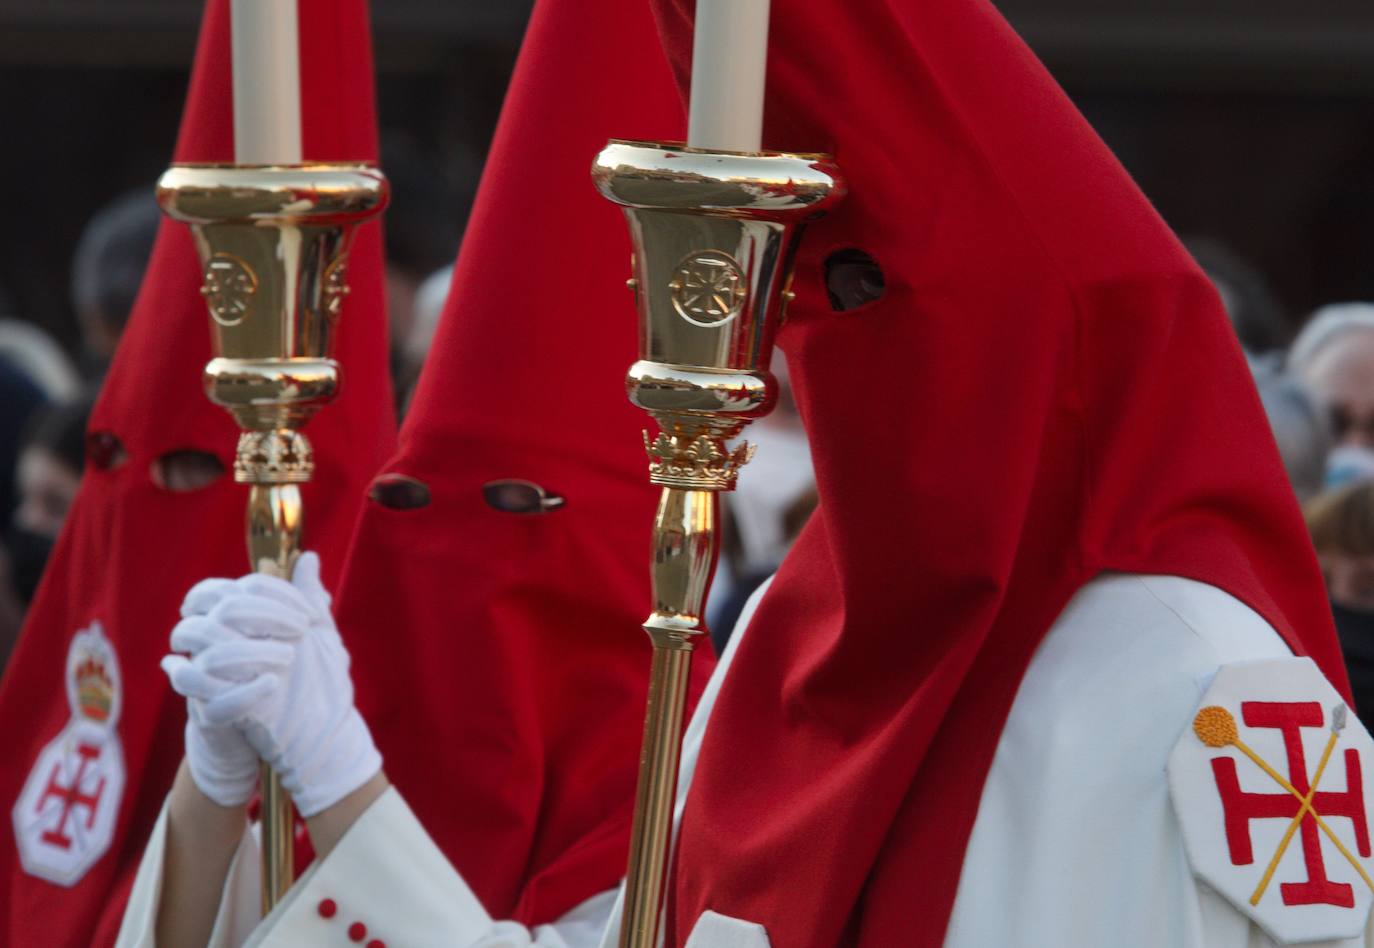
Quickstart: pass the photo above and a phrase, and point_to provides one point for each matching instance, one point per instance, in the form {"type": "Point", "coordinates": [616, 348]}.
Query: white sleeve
{"type": "Point", "coordinates": [1076, 840]}
{"type": "Point", "coordinates": [239, 907]}
{"type": "Point", "coordinates": [386, 881]}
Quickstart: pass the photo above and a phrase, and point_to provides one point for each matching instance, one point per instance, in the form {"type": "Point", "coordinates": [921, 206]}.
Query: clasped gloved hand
{"type": "Point", "coordinates": [265, 676]}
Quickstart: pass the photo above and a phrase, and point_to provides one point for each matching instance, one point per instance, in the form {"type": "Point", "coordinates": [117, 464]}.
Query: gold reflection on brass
{"type": "Point", "coordinates": [714, 234]}
{"type": "Point", "coordinates": [273, 242]}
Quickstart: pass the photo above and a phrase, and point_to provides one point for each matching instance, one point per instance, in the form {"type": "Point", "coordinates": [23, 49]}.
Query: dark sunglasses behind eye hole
{"type": "Point", "coordinates": [1343, 422]}
{"type": "Point", "coordinates": [852, 279]}
{"type": "Point", "coordinates": [399, 492]}
{"type": "Point", "coordinates": [519, 497]}
{"type": "Point", "coordinates": [1340, 422]}
{"type": "Point", "coordinates": [104, 451]}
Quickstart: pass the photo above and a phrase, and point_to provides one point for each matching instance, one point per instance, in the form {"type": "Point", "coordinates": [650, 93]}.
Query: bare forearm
{"type": "Point", "coordinates": [329, 825]}
{"type": "Point", "coordinates": [202, 837]}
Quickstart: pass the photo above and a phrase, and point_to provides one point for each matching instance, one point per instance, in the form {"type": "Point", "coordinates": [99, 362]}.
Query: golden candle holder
{"type": "Point", "coordinates": [714, 235]}
{"type": "Point", "coordinates": [274, 243]}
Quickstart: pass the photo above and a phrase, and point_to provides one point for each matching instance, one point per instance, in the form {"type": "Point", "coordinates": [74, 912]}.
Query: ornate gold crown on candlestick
{"type": "Point", "coordinates": [274, 243]}
{"type": "Point", "coordinates": [714, 236]}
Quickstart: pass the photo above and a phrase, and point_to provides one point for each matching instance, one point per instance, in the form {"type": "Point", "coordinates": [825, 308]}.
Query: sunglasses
{"type": "Point", "coordinates": [400, 492]}
{"type": "Point", "coordinates": [519, 497]}
{"type": "Point", "coordinates": [1344, 422]}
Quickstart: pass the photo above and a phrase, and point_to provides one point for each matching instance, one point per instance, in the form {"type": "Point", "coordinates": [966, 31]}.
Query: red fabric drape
{"type": "Point", "coordinates": [499, 657]}
{"type": "Point", "coordinates": [1048, 389]}
{"type": "Point", "coordinates": [131, 549]}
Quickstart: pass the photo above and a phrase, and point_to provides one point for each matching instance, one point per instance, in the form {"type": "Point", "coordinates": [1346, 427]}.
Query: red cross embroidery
{"type": "Point", "coordinates": [71, 797]}
{"type": "Point", "coordinates": [1241, 806]}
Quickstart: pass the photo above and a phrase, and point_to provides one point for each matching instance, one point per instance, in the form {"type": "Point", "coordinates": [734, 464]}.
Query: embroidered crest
{"type": "Point", "coordinates": [1270, 790]}
{"type": "Point", "coordinates": [65, 815]}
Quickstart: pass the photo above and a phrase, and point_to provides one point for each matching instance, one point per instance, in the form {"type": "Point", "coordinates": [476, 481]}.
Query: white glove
{"type": "Point", "coordinates": [222, 762]}
{"type": "Point", "coordinates": [280, 679]}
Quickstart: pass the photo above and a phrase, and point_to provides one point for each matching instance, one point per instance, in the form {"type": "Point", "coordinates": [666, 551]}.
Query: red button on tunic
{"type": "Point", "coordinates": [327, 908]}
{"type": "Point", "coordinates": [357, 931]}
{"type": "Point", "coordinates": [376, 943]}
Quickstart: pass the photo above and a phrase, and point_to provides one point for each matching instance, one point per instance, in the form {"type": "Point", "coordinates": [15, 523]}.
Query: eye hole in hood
{"type": "Point", "coordinates": [853, 279]}
{"type": "Point", "coordinates": [399, 492]}
{"type": "Point", "coordinates": [186, 471]}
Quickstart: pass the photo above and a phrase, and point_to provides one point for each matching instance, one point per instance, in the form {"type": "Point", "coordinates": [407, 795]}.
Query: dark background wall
{"type": "Point", "coordinates": [1251, 121]}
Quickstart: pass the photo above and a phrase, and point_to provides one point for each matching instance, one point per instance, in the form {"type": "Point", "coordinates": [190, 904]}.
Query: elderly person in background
{"type": "Point", "coordinates": [1300, 427]}
{"type": "Point", "coordinates": [1342, 525]}
{"type": "Point", "coordinates": [1334, 357]}
{"type": "Point", "coordinates": [107, 269]}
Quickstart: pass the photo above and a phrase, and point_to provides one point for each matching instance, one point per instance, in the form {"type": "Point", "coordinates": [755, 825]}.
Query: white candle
{"type": "Point", "coordinates": [267, 82]}
{"type": "Point", "coordinates": [729, 60]}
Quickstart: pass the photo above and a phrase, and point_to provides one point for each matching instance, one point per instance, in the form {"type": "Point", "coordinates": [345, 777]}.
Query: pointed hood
{"type": "Point", "coordinates": [131, 548]}
{"type": "Point", "coordinates": [498, 654]}
{"type": "Point", "coordinates": [1047, 389]}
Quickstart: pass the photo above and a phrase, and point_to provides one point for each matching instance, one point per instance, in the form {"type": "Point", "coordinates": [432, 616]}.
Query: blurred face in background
{"type": "Point", "coordinates": [1341, 376]}
{"type": "Point", "coordinates": [47, 487]}
{"type": "Point", "coordinates": [1350, 581]}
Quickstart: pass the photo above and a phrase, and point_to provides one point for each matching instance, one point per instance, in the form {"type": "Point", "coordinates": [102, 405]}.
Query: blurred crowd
{"type": "Point", "coordinates": [1317, 388]}
{"type": "Point", "coordinates": [1321, 406]}
{"type": "Point", "coordinates": [47, 394]}
{"type": "Point", "coordinates": [1316, 385]}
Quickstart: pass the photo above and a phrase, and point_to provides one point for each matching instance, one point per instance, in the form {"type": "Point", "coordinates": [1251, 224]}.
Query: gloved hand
{"type": "Point", "coordinates": [267, 662]}
{"type": "Point", "coordinates": [222, 762]}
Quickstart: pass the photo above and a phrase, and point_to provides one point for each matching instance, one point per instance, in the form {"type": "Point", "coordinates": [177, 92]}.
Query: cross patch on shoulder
{"type": "Point", "coordinates": [64, 819]}
{"type": "Point", "coordinates": [1269, 784]}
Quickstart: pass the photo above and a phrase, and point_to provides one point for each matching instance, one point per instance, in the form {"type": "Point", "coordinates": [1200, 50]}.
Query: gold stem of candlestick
{"type": "Point", "coordinates": [714, 237]}
{"type": "Point", "coordinates": [274, 522]}
{"type": "Point", "coordinates": [274, 245]}
{"type": "Point", "coordinates": [278, 839]}
{"type": "Point", "coordinates": [647, 870]}
{"type": "Point", "coordinates": [684, 553]}
{"type": "Point", "coordinates": [275, 518]}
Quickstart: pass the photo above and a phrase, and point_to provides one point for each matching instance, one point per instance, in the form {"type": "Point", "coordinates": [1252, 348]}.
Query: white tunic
{"type": "Point", "coordinates": [1075, 844]}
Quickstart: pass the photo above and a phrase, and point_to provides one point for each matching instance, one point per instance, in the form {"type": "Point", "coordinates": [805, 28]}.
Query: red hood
{"type": "Point", "coordinates": [1048, 389]}
{"type": "Point", "coordinates": [500, 658]}
{"type": "Point", "coordinates": [131, 549]}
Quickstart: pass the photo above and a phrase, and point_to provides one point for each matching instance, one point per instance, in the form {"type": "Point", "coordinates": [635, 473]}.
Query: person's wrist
{"type": "Point", "coordinates": [226, 781]}
{"type": "Point", "coordinates": [328, 827]}
{"type": "Point", "coordinates": [342, 762]}
{"type": "Point", "coordinates": [214, 823]}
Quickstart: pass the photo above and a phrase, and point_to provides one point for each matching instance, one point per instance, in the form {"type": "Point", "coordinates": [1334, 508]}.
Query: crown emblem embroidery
{"type": "Point", "coordinates": [95, 691]}
{"type": "Point", "coordinates": [93, 681]}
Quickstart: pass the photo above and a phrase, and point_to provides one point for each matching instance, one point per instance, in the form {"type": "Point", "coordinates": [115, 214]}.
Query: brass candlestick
{"type": "Point", "coordinates": [274, 243]}
{"type": "Point", "coordinates": [714, 235]}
